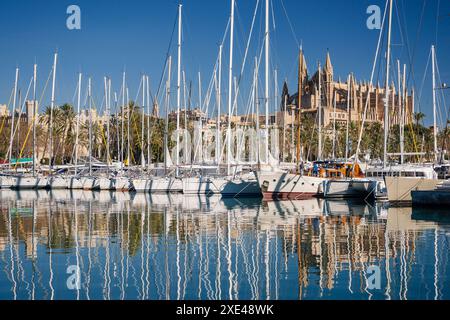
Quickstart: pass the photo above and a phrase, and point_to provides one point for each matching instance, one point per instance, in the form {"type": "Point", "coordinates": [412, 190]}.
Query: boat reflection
{"type": "Point", "coordinates": [176, 247]}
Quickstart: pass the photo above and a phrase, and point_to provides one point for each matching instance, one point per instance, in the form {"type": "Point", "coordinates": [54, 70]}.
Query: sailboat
{"type": "Point", "coordinates": [278, 184]}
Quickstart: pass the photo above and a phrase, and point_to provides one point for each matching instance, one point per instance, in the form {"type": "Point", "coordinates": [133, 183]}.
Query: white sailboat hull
{"type": "Point", "coordinates": [241, 188]}
{"type": "Point", "coordinates": [6, 182]}
{"type": "Point", "coordinates": [106, 184]}
{"type": "Point", "coordinates": [121, 184]}
{"type": "Point", "coordinates": [74, 184]}
{"type": "Point", "coordinates": [56, 183]}
{"type": "Point", "coordinates": [158, 185]}
{"type": "Point", "coordinates": [90, 183]}
{"type": "Point", "coordinates": [275, 186]}
{"type": "Point", "coordinates": [355, 188]}
{"type": "Point", "coordinates": [203, 185]}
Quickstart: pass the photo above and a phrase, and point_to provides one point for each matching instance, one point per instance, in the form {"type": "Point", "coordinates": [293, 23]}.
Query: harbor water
{"type": "Point", "coordinates": [69, 245]}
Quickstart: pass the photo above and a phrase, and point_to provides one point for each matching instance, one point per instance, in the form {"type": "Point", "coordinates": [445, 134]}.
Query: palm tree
{"type": "Point", "coordinates": [418, 117]}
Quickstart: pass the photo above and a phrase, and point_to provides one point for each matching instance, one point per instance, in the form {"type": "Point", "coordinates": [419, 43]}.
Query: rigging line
{"type": "Point", "coordinates": [423, 82]}
{"type": "Point", "coordinates": [437, 21]}
{"type": "Point", "coordinates": [290, 24]}
{"type": "Point", "coordinates": [18, 120]}
{"type": "Point", "coordinates": [167, 54]}
{"type": "Point", "coordinates": [442, 94]}
{"type": "Point", "coordinates": [371, 81]}
{"type": "Point", "coordinates": [411, 73]}
{"type": "Point", "coordinates": [245, 59]}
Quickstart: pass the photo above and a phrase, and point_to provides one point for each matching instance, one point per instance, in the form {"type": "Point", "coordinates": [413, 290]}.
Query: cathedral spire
{"type": "Point", "coordinates": [328, 64]}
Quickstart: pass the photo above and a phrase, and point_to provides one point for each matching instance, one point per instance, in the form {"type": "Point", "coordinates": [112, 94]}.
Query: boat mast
{"type": "Point", "coordinates": [299, 113]}
{"type": "Point", "coordinates": [230, 88]}
{"type": "Point", "coordinates": [319, 109]}
{"type": "Point", "coordinates": [122, 144]}
{"type": "Point", "coordinates": [256, 100]}
{"type": "Point", "coordinates": [13, 117]}
{"type": "Point", "coordinates": [219, 105]}
{"type": "Point", "coordinates": [90, 125]}
{"type": "Point", "coordinates": [148, 124]}
{"type": "Point", "coordinates": [78, 123]}
{"type": "Point", "coordinates": [349, 95]}
{"type": "Point", "coordinates": [128, 128]}
{"type": "Point", "coordinates": [166, 130]}
{"type": "Point", "coordinates": [386, 99]}
{"type": "Point", "coordinates": [107, 101]}
{"type": "Point", "coordinates": [435, 128]}
{"type": "Point", "coordinates": [403, 117]}
{"type": "Point", "coordinates": [334, 127]}
{"type": "Point", "coordinates": [267, 46]}
{"type": "Point", "coordinates": [51, 111]}
{"type": "Point", "coordinates": [180, 6]}
{"type": "Point", "coordinates": [108, 124]}
{"type": "Point", "coordinates": [34, 118]}
{"type": "Point", "coordinates": [143, 122]}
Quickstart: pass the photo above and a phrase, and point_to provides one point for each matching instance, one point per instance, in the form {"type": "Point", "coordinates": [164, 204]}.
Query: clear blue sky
{"type": "Point", "coordinates": [135, 34]}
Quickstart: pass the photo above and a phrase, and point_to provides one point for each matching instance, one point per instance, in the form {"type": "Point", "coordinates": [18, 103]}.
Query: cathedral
{"type": "Point", "coordinates": [349, 98]}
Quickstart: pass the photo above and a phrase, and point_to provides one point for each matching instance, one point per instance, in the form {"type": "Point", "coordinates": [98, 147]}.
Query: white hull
{"type": "Point", "coordinates": [121, 184]}
{"type": "Point", "coordinates": [203, 185]}
{"type": "Point", "coordinates": [355, 188]}
{"type": "Point", "coordinates": [241, 188]}
{"type": "Point", "coordinates": [399, 188]}
{"type": "Point", "coordinates": [158, 185]}
{"type": "Point", "coordinates": [106, 184]}
{"type": "Point", "coordinates": [74, 184]}
{"type": "Point", "coordinates": [29, 183]}
{"type": "Point", "coordinates": [90, 183]}
{"type": "Point", "coordinates": [54, 183]}
{"type": "Point", "coordinates": [6, 182]}
{"type": "Point", "coordinates": [289, 186]}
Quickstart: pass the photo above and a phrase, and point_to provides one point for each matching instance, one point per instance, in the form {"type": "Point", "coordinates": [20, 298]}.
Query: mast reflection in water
{"type": "Point", "coordinates": [177, 247]}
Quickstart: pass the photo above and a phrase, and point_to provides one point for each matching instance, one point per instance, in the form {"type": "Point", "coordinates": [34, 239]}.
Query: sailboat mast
{"type": "Point", "coordinates": [334, 127]}
{"type": "Point", "coordinates": [13, 117]}
{"type": "Point", "coordinates": [52, 106]}
{"type": "Point", "coordinates": [386, 99]}
{"type": "Point", "coordinates": [148, 124]}
{"type": "Point", "coordinates": [349, 95]}
{"type": "Point", "coordinates": [108, 125]}
{"type": "Point", "coordinates": [267, 46]}
{"type": "Point", "coordinates": [34, 118]}
{"type": "Point", "coordinates": [128, 128]}
{"type": "Point", "coordinates": [105, 80]}
{"type": "Point", "coordinates": [179, 85]}
{"type": "Point", "coordinates": [122, 143]}
{"type": "Point", "coordinates": [256, 99]}
{"type": "Point", "coordinates": [230, 88]}
{"type": "Point", "coordinates": [90, 125]}
{"type": "Point", "coordinates": [219, 105]}
{"type": "Point", "coordinates": [435, 128]}
{"type": "Point", "coordinates": [78, 123]}
{"type": "Point", "coordinates": [403, 117]}
{"type": "Point", "coordinates": [166, 130]}
{"type": "Point", "coordinates": [299, 113]}
{"type": "Point", "coordinates": [319, 109]}
{"type": "Point", "coordinates": [144, 85]}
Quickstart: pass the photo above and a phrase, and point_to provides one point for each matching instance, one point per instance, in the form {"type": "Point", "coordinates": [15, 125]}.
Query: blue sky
{"type": "Point", "coordinates": [135, 34]}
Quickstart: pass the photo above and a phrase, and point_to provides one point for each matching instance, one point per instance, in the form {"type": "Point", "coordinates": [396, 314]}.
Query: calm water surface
{"type": "Point", "coordinates": [177, 247]}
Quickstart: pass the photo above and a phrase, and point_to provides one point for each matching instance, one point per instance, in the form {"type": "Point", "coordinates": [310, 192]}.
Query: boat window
{"type": "Point", "coordinates": [420, 174]}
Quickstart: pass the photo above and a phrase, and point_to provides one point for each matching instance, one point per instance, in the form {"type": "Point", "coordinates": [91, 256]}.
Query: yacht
{"type": "Point", "coordinates": [400, 180]}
